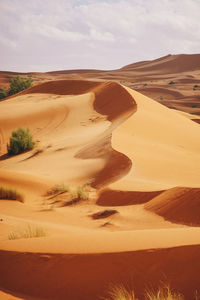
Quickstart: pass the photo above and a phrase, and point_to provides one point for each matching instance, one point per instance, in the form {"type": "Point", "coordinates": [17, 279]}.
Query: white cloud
{"type": "Point", "coordinates": [94, 33]}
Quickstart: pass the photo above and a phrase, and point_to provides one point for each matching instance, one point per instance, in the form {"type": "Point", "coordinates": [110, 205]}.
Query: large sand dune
{"type": "Point", "coordinates": [134, 154]}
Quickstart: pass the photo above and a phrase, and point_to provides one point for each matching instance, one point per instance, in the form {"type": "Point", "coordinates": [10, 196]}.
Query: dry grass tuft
{"type": "Point", "coordinates": [10, 194]}
{"type": "Point", "coordinates": [29, 232]}
{"type": "Point", "coordinates": [164, 293]}
{"type": "Point", "coordinates": [120, 293]}
{"type": "Point", "coordinates": [58, 189]}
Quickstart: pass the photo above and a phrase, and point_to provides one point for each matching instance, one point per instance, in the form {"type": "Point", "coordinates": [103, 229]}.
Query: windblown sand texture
{"type": "Point", "coordinates": [140, 164]}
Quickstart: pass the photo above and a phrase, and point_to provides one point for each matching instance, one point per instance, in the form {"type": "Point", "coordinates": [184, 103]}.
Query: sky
{"type": "Point", "coordinates": [47, 35]}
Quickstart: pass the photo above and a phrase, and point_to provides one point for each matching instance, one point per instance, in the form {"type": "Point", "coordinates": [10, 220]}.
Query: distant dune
{"type": "Point", "coordinates": [148, 77]}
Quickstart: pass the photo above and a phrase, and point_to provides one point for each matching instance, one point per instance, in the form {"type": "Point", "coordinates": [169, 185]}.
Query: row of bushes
{"type": "Point", "coordinates": [17, 84]}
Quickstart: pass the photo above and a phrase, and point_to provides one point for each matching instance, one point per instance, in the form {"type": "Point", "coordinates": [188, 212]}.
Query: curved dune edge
{"type": "Point", "coordinates": [86, 277]}
{"type": "Point", "coordinates": [109, 100]}
{"type": "Point", "coordinates": [108, 197]}
{"type": "Point", "coordinates": [162, 154]}
{"type": "Point", "coordinates": [179, 205]}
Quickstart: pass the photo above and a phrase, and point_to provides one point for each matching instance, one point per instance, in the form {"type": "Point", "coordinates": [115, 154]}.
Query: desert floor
{"type": "Point", "coordinates": [126, 167]}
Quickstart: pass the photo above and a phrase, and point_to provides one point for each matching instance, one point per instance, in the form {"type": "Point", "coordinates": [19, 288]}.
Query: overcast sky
{"type": "Point", "coordinates": [44, 35]}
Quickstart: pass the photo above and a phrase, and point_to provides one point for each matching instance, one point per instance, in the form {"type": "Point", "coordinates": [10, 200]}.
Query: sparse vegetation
{"type": "Point", "coordinates": [29, 232]}
{"type": "Point", "coordinates": [120, 293]}
{"type": "Point", "coordinates": [63, 195]}
{"type": "Point", "coordinates": [194, 106]}
{"type": "Point", "coordinates": [82, 192]}
{"type": "Point", "coordinates": [161, 98]}
{"type": "Point", "coordinates": [196, 86]}
{"type": "Point", "coordinates": [20, 141]}
{"type": "Point", "coordinates": [3, 93]}
{"type": "Point", "coordinates": [58, 189]}
{"type": "Point", "coordinates": [10, 194]}
{"type": "Point", "coordinates": [18, 84]}
{"type": "Point", "coordinates": [171, 82]}
{"type": "Point", "coordinates": [163, 293]}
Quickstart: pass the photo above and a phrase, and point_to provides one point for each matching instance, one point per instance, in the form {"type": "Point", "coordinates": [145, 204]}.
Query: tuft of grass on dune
{"type": "Point", "coordinates": [120, 293]}
{"type": "Point", "coordinates": [8, 193]}
{"type": "Point", "coordinates": [29, 232]}
{"type": "Point", "coordinates": [71, 195]}
{"type": "Point", "coordinates": [58, 189]}
{"type": "Point", "coordinates": [164, 292]}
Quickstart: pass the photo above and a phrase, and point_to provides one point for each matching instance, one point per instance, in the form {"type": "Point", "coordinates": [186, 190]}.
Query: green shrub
{"type": "Point", "coordinates": [20, 141]}
{"type": "Point", "coordinates": [18, 84]}
{"type": "Point", "coordinates": [171, 82]}
{"type": "Point", "coordinates": [195, 87]}
{"type": "Point", "coordinates": [10, 194]}
{"type": "Point", "coordinates": [3, 93]}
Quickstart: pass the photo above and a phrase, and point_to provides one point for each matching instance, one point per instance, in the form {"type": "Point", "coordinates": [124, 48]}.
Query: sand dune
{"type": "Point", "coordinates": [180, 205]}
{"type": "Point", "coordinates": [168, 64]}
{"type": "Point", "coordinates": [87, 277]}
{"type": "Point", "coordinates": [138, 157]}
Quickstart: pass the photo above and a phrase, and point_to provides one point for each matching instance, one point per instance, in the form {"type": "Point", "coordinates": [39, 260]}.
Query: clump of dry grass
{"type": "Point", "coordinates": [58, 189]}
{"type": "Point", "coordinates": [120, 293]}
{"type": "Point", "coordinates": [83, 192]}
{"type": "Point", "coordinates": [29, 232]}
{"type": "Point", "coordinates": [10, 194]}
{"type": "Point", "coordinates": [163, 293]}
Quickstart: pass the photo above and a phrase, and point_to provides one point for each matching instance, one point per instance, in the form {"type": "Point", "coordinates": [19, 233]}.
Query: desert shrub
{"type": "Point", "coordinates": [57, 189]}
{"type": "Point", "coordinates": [18, 84]}
{"type": "Point", "coordinates": [20, 141]}
{"type": "Point", "coordinates": [10, 194]}
{"type": "Point", "coordinates": [195, 87]}
{"type": "Point", "coordinates": [29, 232]}
{"type": "Point", "coordinates": [3, 93]}
{"type": "Point", "coordinates": [194, 106]}
{"type": "Point", "coordinates": [171, 82]}
{"type": "Point", "coordinates": [82, 193]}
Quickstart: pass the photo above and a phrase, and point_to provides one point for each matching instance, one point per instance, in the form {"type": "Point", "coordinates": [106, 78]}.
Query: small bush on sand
{"type": "Point", "coordinates": [29, 232]}
{"type": "Point", "coordinates": [10, 194]}
{"type": "Point", "coordinates": [20, 141]}
{"type": "Point", "coordinates": [82, 193]}
{"type": "Point", "coordinates": [3, 93]}
{"type": "Point", "coordinates": [18, 84]}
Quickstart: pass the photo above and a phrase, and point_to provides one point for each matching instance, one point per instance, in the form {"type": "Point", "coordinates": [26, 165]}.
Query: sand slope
{"type": "Point", "coordinates": [180, 205]}
{"type": "Point", "coordinates": [133, 152]}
